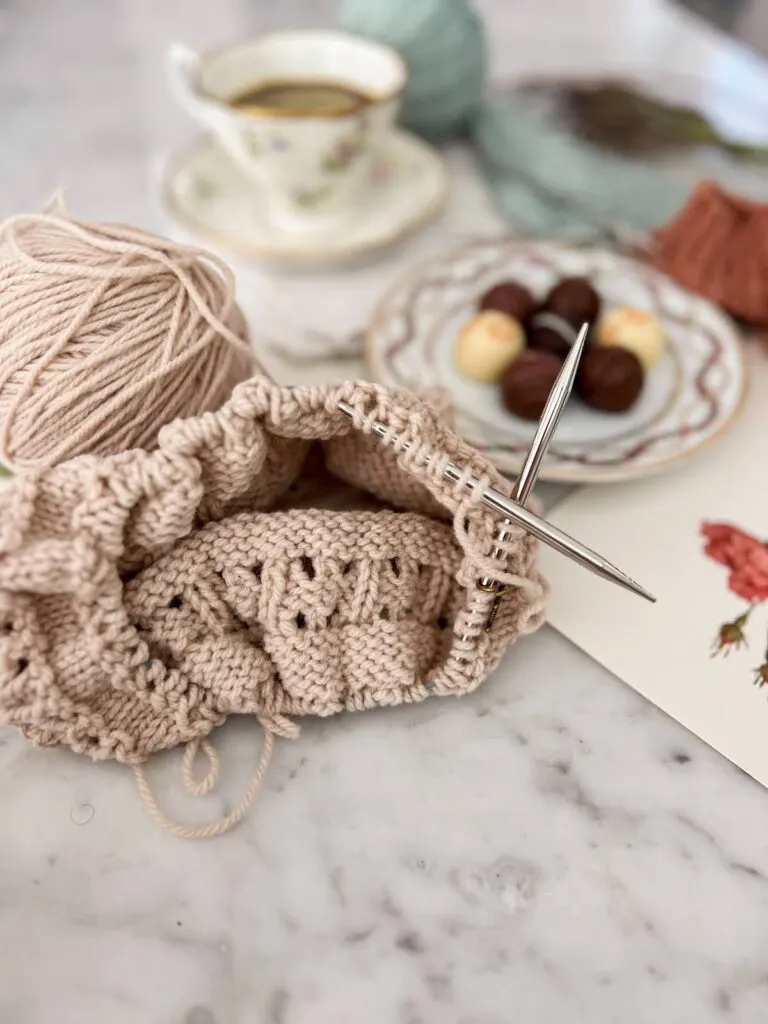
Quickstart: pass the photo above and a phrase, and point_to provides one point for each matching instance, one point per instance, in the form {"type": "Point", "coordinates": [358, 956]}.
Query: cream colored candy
{"type": "Point", "coordinates": [487, 344]}
{"type": "Point", "coordinates": [633, 329]}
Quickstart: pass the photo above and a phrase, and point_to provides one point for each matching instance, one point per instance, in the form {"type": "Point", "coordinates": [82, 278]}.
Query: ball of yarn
{"type": "Point", "coordinates": [106, 334]}
{"type": "Point", "coordinates": [443, 44]}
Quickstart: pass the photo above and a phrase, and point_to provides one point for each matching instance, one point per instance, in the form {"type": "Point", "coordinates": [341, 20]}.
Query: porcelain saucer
{"type": "Point", "coordinates": [209, 196]}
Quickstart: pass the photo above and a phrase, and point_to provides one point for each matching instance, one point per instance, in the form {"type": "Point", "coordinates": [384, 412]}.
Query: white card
{"type": "Point", "coordinates": [652, 530]}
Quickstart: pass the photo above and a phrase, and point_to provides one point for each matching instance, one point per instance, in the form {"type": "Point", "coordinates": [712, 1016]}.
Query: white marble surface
{"type": "Point", "coordinates": [550, 849]}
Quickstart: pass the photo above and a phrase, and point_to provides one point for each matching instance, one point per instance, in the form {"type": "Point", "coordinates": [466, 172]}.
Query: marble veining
{"type": "Point", "coordinates": [551, 848]}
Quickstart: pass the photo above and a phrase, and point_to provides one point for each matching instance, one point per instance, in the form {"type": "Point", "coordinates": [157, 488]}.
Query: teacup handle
{"type": "Point", "coordinates": [183, 67]}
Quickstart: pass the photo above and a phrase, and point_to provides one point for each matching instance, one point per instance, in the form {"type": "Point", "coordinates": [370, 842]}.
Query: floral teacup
{"type": "Point", "coordinates": [310, 165]}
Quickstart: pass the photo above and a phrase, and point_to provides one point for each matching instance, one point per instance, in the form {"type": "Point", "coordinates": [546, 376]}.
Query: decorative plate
{"type": "Point", "coordinates": [690, 397]}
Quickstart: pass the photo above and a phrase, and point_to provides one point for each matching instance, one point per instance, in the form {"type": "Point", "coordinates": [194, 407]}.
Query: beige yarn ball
{"type": "Point", "coordinates": [106, 334]}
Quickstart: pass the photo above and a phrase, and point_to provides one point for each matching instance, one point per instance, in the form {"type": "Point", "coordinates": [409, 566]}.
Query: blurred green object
{"type": "Point", "coordinates": [443, 44]}
{"type": "Point", "coordinates": [576, 159]}
{"type": "Point", "coordinates": [620, 119]}
{"type": "Point", "coordinates": [564, 159]}
{"type": "Point", "coordinates": [549, 183]}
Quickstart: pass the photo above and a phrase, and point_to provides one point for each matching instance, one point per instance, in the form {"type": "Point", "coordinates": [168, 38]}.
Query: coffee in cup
{"type": "Point", "coordinates": [304, 114]}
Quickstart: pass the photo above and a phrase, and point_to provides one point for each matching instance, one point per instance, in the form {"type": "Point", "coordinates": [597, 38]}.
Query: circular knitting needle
{"type": "Point", "coordinates": [521, 516]}
{"type": "Point", "coordinates": [553, 410]}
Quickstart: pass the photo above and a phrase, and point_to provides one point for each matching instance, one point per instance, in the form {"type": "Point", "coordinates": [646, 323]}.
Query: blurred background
{"type": "Point", "coordinates": [86, 106]}
{"type": "Point", "coordinates": [84, 101]}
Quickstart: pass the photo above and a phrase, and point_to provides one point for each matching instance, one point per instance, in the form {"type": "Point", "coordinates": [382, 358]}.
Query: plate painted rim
{"type": "Point", "coordinates": [323, 254]}
{"type": "Point", "coordinates": [549, 471]}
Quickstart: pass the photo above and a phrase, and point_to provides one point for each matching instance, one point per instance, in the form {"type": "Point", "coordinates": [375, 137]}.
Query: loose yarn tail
{"type": "Point", "coordinates": [204, 786]}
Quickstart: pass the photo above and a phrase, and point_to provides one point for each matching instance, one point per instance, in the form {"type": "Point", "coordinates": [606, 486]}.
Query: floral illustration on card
{"type": "Point", "coordinates": [746, 558]}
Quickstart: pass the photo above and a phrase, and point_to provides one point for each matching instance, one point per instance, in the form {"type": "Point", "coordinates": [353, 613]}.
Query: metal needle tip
{"type": "Point", "coordinates": [556, 538]}
{"type": "Point", "coordinates": [513, 509]}
{"type": "Point", "coordinates": [617, 576]}
{"type": "Point", "coordinates": [550, 417]}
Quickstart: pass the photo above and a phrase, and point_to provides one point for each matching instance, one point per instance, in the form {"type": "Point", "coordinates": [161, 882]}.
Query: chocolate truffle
{"type": "Point", "coordinates": [487, 344]}
{"type": "Point", "coordinates": [609, 379]}
{"type": "Point", "coordinates": [551, 333]}
{"type": "Point", "coordinates": [510, 298]}
{"type": "Point", "coordinates": [636, 330]}
{"type": "Point", "coordinates": [526, 384]}
{"type": "Point", "coordinates": [574, 299]}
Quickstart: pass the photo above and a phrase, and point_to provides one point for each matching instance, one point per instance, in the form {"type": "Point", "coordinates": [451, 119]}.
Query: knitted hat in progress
{"type": "Point", "coordinates": [273, 559]}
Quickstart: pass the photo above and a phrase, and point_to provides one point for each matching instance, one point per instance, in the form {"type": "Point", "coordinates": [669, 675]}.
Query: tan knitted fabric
{"type": "Point", "coordinates": [146, 596]}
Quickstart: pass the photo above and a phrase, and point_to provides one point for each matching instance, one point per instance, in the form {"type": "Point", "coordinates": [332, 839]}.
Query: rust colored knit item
{"type": "Point", "coordinates": [718, 247]}
{"type": "Point", "coordinates": [145, 596]}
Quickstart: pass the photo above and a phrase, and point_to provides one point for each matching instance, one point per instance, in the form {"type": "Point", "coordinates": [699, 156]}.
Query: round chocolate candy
{"type": "Point", "coordinates": [511, 298]}
{"type": "Point", "coordinates": [487, 344]}
{"type": "Point", "coordinates": [610, 379]}
{"type": "Point", "coordinates": [550, 333]}
{"type": "Point", "coordinates": [526, 384]}
{"type": "Point", "coordinates": [574, 299]}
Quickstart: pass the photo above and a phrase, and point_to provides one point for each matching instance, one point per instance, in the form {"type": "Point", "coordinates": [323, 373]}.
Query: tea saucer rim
{"type": "Point", "coordinates": [331, 248]}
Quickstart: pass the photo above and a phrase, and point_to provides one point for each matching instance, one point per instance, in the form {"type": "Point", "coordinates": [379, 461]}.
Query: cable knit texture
{"type": "Point", "coordinates": [272, 559]}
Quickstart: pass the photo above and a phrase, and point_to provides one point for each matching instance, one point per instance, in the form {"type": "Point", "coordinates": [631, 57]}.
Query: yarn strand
{"type": "Point", "coordinates": [203, 787]}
